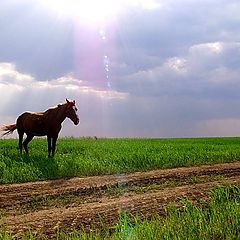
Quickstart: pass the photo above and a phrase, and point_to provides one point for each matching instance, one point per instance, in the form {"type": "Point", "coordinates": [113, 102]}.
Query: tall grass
{"type": "Point", "coordinates": [88, 156]}
{"type": "Point", "coordinates": [217, 219]}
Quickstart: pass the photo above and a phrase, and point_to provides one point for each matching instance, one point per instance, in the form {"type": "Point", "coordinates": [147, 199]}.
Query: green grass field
{"type": "Point", "coordinates": [88, 156]}
{"type": "Point", "coordinates": [218, 218]}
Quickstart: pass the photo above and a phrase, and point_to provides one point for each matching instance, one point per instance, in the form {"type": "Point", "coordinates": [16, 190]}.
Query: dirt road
{"type": "Point", "coordinates": [69, 204]}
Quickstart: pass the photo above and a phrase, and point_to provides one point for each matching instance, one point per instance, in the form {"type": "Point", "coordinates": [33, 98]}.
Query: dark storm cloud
{"type": "Point", "coordinates": [206, 67]}
{"type": "Point", "coordinates": [200, 87]}
{"type": "Point", "coordinates": [171, 29]}
{"type": "Point", "coordinates": [46, 47]}
{"type": "Point", "coordinates": [173, 70]}
{"type": "Point", "coordinates": [35, 41]}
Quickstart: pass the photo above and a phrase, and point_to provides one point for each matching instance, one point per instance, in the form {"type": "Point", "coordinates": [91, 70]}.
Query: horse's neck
{"type": "Point", "coordinates": [57, 114]}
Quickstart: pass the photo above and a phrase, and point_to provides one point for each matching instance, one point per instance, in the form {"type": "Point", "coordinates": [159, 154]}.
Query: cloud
{"type": "Point", "coordinates": [173, 67]}
{"type": "Point", "coordinates": [48, 47]}
{"type": "Point", "coordinates": [21, 92]}
{"type": "Point", "coordinates": [179, 97]}
{"type": "Point", "coordinates": [204, 67]}
{"type": "Point", "coordinates": [184, 92]}
{"type": "Point", "coordinates": [172, 29]}
{"type": "Point", "coordinates": [9, 75]}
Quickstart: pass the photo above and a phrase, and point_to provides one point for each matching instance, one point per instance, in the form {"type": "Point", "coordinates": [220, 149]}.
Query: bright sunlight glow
{"type": "Point", "coordinates": [95, 10]}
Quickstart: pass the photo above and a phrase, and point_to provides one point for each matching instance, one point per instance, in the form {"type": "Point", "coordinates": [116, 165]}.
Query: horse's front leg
{"type": "Point", "coordinates": [54, 140]}
{"type": "Point", "coordinates": [49, 139]}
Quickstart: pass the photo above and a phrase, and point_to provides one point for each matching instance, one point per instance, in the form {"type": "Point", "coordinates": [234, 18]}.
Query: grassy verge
{"type": "Point", "coordinates": [217, 219]}
{"type": "Point", "coordinates": [86, 156]}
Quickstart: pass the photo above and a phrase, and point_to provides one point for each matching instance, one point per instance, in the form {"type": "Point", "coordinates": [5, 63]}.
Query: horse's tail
{"type": "Point", "coordinates": [8, 129]}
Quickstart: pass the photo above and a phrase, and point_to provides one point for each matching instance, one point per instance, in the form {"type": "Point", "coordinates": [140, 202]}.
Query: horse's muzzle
{"type": "Point", "coordinates": [76, 121]}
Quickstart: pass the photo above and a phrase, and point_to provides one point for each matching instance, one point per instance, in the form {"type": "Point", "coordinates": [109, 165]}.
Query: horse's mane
{"type": "Point", "coordinates": [55, 107]}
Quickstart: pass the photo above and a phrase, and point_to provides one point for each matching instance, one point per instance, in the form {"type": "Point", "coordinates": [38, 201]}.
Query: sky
{"type": "Point", "coordinates": [140, 68]}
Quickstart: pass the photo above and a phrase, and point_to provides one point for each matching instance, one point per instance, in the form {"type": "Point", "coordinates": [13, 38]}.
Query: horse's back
{"type": "Point", "coordinates": [26, 116]}
{"type": "Point", "coordinates": [31, 123]}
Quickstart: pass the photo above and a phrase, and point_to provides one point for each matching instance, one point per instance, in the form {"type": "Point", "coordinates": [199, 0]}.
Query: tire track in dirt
{"type": "Point", "coordinates": [23, 192]}
{"type": "Point", "coordinates": [105, 209]}
{"type": "Point", "coordinates": [92, 214]}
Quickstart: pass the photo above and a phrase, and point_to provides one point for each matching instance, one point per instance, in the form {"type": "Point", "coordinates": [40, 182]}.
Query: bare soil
{"type": "Point", "coordinates": [69, 204]}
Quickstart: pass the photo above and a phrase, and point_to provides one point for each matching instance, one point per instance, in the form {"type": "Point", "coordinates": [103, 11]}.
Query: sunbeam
{"type": "Point", "coordinates": [93, 11]}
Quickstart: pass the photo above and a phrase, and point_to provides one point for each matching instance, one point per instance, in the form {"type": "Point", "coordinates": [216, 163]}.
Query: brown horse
{"type": "Point", "coordinates": [43, 123]}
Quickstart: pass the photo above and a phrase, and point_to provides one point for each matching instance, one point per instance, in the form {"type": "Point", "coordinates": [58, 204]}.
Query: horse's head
{"type": "Point", "coordinates": [71, 111]}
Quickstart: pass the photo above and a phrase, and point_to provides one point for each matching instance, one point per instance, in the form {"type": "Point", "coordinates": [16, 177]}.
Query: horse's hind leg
{"type": "Point", "coordinates": [20, 133]}
{"type": "Point", "coordinates": [26, 141]}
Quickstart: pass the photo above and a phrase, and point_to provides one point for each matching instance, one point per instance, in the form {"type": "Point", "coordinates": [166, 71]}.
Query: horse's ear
{"type": "Point", "coordinates": [74, 102]}
{"type": "Point", "coordinates": [67, 100]}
